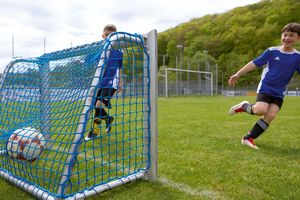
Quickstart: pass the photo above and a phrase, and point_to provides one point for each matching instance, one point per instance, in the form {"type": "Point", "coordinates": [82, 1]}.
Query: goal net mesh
{"type": "Point", "coordinates": [56, 94]}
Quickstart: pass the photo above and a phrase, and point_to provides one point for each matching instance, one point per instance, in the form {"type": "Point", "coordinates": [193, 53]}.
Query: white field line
{"type": "Point", "coordinates": [186, 189]}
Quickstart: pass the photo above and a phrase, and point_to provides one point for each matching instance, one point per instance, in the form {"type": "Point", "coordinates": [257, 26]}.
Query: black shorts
{"type": "Point", "coordinates": [105, 94]}
{"type": "Point", "coordinates": [269, 99]}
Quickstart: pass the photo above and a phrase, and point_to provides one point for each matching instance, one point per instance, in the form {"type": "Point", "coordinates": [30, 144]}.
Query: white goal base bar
{"type": "Point", "coordinates": [83, 195]}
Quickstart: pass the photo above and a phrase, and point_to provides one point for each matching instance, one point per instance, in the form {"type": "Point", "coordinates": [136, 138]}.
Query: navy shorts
{"type": "Point", "coordinates": [269, 99]}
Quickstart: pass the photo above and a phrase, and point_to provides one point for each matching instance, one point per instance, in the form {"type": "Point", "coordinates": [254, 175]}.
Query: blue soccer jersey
{"type": "Point", "coordinates": [280, 67]}
{"type": "Point", "coordinates": [110, 78]}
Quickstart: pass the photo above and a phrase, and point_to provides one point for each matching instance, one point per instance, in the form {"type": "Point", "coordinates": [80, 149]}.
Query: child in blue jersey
{"type": "Point", "coordinates": [110, 82]}
{"type": "Point", "coordinates": [280, 64]}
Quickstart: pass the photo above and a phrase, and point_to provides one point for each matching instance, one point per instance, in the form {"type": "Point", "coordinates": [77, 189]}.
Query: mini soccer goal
{"type": "Point", "coordinates": [47, 109]}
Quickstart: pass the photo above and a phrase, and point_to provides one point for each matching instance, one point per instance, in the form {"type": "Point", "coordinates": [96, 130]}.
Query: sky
{"type": "Point", "coordinates": [28, 28]}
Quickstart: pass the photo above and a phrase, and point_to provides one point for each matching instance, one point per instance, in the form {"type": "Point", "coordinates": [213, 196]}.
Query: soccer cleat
{"type": "Point", "coordinates": [237, 108]}
{"type": "Point", "coordinates": [249, 142]}
{"type": "Point", "coordinates": [94, 132]}
{"type": "Point", "coordinates": [108, 121]}
{"type": "Point", "coordinates": [91, 135]}
{"type": "Point", "coordinates": [96, 127]}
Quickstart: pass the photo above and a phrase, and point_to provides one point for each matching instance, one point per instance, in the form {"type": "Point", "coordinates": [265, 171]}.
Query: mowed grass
{"type": "Point", "coordinates": [200, 155]}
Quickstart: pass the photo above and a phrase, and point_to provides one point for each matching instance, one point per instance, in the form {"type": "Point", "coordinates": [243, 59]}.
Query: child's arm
{"type": "Point", "coordinates": [247, 68]}
{"type": "Point", "coordinates": [120, 85]}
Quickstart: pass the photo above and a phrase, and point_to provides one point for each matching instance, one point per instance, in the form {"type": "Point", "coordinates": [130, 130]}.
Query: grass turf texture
{"type": "Point", "coordinates": [200, 155]}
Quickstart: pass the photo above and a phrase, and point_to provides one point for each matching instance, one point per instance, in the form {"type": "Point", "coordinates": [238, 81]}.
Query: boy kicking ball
{"type": "Point", "coordinates": [280, 64]}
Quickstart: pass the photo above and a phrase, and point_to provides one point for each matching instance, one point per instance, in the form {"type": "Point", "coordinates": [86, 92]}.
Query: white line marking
{"type": "Point", "coordinates": [184, 188]}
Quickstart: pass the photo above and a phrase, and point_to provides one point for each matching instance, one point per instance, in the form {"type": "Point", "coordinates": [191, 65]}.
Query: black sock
{"type": "Point", "coordinates": [259, 127]}
{"type": "Point", "coordinates": [247, 108]}
{"type": "Point", "coordinates": [100, 113]}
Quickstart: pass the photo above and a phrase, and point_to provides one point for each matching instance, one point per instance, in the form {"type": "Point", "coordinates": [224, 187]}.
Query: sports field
{"type": "Point", "coordinates": [200, 156]}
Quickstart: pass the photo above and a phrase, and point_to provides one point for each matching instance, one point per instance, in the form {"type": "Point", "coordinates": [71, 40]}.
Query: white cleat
{"type": "Point", "coordinates": [249, 142]}
{"type": "Point", "coordinates": [237, 108]}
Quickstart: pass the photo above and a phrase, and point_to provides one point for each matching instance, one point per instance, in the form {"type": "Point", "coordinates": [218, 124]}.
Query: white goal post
{"type": "Point", "coordinates": [208, 77]}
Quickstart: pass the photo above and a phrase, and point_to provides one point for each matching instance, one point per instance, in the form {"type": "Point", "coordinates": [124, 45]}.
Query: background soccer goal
{"type": "Point", "coordinates": [55, 94]}
{"type": "Point", "coordinates": [187, 82]}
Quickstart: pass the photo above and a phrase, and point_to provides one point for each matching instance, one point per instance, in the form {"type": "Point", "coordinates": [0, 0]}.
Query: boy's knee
{"type": "Point", "coordinates": [97, 104]}
{"type": "Point", "coordinates": [100, 104]}
{"type": "Point", "coordinates": [257, 110]}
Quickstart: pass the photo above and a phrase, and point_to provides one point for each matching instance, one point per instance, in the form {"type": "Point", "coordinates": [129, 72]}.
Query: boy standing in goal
{"type": "Point", "coordinates": [110, 82]}
{"type": "Point", "coordinates": [281, 63]}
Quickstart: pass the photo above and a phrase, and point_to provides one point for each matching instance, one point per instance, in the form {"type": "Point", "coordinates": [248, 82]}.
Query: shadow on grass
{"type": "Point", "coordinates": [281, 151]}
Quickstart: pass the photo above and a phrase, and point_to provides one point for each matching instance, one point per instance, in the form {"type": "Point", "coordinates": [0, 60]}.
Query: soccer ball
{"type": "Point", "coordinates": [25, 144]}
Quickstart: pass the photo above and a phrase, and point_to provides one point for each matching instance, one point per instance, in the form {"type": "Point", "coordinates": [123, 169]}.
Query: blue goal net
{"type": "Point", "coordinates": [77, 122]}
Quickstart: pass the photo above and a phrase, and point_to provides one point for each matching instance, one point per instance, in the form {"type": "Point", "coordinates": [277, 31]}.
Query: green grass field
{"type": "Point", "coordinates": [200, 156]}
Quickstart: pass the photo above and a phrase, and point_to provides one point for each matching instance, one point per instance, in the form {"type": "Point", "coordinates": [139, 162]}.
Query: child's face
{"type": "Point", "coordinates": [106, 33]}
{"type": "Point", "coordinates": [289, 39]}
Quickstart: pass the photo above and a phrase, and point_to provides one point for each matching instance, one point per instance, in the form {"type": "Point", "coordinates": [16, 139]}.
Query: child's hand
{"type": "Point", "coordinates": [120, 87]}
{"type": "Point", "coordinates": [233, 79]}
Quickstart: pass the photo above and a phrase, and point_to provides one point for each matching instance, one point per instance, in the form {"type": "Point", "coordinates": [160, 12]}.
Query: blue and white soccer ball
{"type": "Point", "coordinates": [25, 144]}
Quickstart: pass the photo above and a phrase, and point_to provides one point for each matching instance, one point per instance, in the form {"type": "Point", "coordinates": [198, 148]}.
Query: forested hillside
{"type": "Point", "coordinates": [229, 39]}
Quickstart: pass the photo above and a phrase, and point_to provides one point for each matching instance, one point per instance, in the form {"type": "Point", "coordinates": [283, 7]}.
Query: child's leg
{"type": "Point", "coordinates": [102, 103]}
{"type": "Point", "coordinates": [261, 125]}
{"type": "Point", "coordinates": [109, 119]}
{"type": "Point", "coordinates": [105, 102]}
{"type": "Point", "coordinates": [267, 106]}
{"type": "Point", "coordinates": [259, 108]}
{"type": "Point", "coordinates": [100, 111]}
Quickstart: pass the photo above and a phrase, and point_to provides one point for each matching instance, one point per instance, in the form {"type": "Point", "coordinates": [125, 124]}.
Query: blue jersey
{"type": "Point", "coordinates": [110, 78]}
{"type": "Point", "coordinates": [280, 67]}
